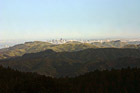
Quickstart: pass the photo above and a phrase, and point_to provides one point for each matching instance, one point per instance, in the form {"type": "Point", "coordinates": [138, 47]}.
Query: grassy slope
{"type": "Point", "coordinates": [33, 47]}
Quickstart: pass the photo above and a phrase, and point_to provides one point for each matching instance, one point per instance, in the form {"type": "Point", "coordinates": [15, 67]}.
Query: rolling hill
{"type": "Point", "coordinates": [37, 46]}
{"type": "Point", "coordinates": [57, 64]}
{"type": "Point", "coordinates": [132, 46]}
{"type": "Point", "coordinates": [113, 44]}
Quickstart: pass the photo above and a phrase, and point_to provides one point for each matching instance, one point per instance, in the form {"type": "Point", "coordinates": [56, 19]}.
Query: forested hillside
{"type": "Point", "coordinates": [114, 81]}
{"type": "Point", "coordinates": [57, 64]}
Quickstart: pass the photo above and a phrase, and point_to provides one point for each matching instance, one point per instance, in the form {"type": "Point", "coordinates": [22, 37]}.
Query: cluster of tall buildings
{"type": "Point", "coordinates": [57, 41]}
{"type": "Point", "coordinates": [62, 41]}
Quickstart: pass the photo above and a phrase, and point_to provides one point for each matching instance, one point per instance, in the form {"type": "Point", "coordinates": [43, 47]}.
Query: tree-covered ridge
{"type": "Point", "coordinates": [37, 46]}
{"type": "Point", "coordinates": [113, 81]}
{"type": "Point", "coordinates": [57, 64]}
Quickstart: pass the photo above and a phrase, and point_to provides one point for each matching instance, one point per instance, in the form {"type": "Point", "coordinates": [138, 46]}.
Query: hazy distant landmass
{"type": "Point", "coordinates": [7, 44]}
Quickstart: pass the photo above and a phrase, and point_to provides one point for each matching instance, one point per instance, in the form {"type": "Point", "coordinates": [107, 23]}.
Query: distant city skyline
{"type": "Point", "coordinates": [10, 43]}
{"type": "Point", "coordinates": [69, 19]}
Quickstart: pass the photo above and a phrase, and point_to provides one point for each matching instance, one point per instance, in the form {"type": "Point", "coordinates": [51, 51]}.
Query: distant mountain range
{"type": "Point", "coordinates": [38, 46]}
{"type": "Point", "coordinates": [57, 64]}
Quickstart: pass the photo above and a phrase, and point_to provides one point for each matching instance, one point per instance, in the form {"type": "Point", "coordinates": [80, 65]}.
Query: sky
{"type": "Point", "coordinates": [79, 19]}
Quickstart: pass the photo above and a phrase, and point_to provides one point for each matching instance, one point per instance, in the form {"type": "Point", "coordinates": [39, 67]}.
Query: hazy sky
{"type": "Point", "coordinates": [44, 19]}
